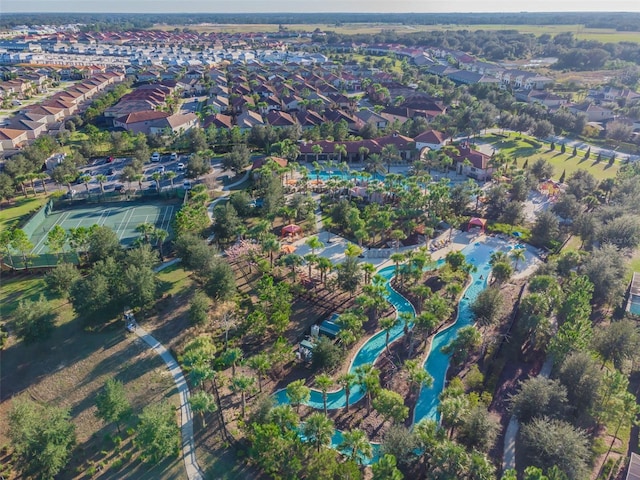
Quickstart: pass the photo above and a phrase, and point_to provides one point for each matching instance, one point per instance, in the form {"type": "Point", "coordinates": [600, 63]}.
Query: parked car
{"type": "Point", "coordinates": [174, 156]}
{"type": "Point", "coordinates": [111, 171]}
{"type": "Point", "coordinates": [110, 159]}
{"type": "Point", "coordinates": [155, 157]}
{"type": "Point", "coordinates": [181, 167]}
{"type": "Point", "coordinates": [119, 188]}
{"type": "Point", "coordinates": [187, 185]}
{"type": "Point", "coordinates": [160, 169]}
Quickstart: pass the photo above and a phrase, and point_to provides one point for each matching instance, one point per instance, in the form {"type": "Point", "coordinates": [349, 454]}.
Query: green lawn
{"type": "Point", "coordinates": [12, 212]}
{"type": "Point", "coordinates": [174, 280]}
{"type": "Point", "coordinates": [515, 146]}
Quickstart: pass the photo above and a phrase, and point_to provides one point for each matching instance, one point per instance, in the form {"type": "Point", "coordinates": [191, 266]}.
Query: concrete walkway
{"type": "Point", "coordinates": [226, 191]}
{"type": "Point", "coordinates": [509, 451]}
{"type": "Point", "coordinates": [186, 418]}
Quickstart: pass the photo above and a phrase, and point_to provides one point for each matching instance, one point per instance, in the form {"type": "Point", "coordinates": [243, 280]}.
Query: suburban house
{"type": "Point", "coordinates": [140, 122]}
{"type": "Point", "coordinates": [472, 163]}
{"type": "Point", "coordinates": [431, 139]}
{"type": "Point", "coordinates": [247, 119]}
{"type": "Point", "coordinates": [594, 113]}
{"type": "Point", "coordinates": [369, 116]}
{"type": "Point", "coordinates": [11, 139]}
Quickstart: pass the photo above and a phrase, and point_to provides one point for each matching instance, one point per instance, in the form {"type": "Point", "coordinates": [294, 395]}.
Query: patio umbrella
{"type": "Point", "coordinates": [288, 249]}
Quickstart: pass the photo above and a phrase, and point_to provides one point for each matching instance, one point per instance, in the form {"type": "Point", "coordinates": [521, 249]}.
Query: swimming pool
{"type": "Point", "coordinates": [325, 175]}
{"type": "Point", "coordinates": [437, 363]}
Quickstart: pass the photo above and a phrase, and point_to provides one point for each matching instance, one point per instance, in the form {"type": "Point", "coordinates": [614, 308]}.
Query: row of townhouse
{"type": "Point", "coordinates": [48, 116]}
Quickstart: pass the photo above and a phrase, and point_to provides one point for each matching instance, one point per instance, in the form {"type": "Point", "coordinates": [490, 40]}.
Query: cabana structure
{"type": "Point", "coordinates": [291, 230]}
{"type": "Point", "coordinates": [477, 222]}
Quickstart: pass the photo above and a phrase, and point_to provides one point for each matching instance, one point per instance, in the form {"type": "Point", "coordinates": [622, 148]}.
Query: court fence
{"type": "Point", "coordinates": [34, 222]}
{"type": "Point", "coordinates": [39, 261]}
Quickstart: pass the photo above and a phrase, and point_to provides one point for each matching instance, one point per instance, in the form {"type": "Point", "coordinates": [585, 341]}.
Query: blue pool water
{"type": "Point", "coordinates": [436, 364]}
{"type": "Point", "coordinates": [325, 175]}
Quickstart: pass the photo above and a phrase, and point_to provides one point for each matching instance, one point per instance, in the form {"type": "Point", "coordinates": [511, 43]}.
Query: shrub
{"type": "Point", "coordinates": [533, 143]}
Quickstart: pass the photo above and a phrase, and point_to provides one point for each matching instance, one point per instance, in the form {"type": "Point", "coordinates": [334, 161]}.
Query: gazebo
{"type": "Point", "coordinates": [291, 230]}
{"type": "Point", "coordinates": [477, 222]}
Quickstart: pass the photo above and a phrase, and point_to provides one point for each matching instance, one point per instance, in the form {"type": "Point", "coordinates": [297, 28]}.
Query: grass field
{"type": "Point", "coordinates": [122, 217]}
{"type": "Point", "coordinates": [515, 147]}
{"type": "Point", "coordinates": [607, 35]}
{"type": "Point", "coordinates": [69, 369]}
{"type": "Point", "coordinates": [12, 212]}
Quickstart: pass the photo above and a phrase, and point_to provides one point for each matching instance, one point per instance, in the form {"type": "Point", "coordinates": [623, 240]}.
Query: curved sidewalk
{"type": "Point", "coordinates": [186, 418]}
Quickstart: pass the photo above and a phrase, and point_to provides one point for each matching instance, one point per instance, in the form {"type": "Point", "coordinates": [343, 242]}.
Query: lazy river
{"type": "Point", "coordinates": [437, 363]}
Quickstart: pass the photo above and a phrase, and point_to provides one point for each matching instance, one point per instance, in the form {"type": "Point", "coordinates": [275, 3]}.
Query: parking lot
{"type": "Point", "coordinates": [112, 169]}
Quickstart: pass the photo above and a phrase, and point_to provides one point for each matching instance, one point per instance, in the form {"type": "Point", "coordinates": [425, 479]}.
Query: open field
{"type": "Point", "coordinates": [69, 369]}
{"type": "Point", "coordinates": [608, 35]}
{"type": "Point", "coordinates": [11, 212]}
{"type": "Point", "coordinates": [515, 147]}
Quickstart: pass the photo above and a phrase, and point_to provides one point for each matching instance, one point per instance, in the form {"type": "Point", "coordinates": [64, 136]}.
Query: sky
{"type": "Point", "coordinates": [365, 6]}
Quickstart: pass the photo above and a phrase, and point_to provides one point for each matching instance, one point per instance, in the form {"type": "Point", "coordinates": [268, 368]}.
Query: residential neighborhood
{"type": "Point", "coordinates": [319, 247]}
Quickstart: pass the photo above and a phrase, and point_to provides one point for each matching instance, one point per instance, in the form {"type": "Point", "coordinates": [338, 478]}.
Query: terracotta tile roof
{"type": "Point", "coordinates": [144, 116]}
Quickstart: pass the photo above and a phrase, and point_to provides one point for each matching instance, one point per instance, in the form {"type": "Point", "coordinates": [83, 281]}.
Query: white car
{"type": "Point", "coordinates": [155, 157]}
{"type": "Point", "coordinates": [174, 156]}
{"type": "Point", "coordinates": [181, 167]}
{"type": "Point", "coordinates": [187, 185]}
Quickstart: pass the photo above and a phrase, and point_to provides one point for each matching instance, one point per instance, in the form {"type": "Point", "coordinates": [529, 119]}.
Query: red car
{"type": "Point", "coordinates": [110, 159]}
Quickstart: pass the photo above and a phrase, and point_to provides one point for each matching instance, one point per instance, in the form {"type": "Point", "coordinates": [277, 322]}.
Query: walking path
{"type": "Point", "coordinates": [509, 451]}
{"type": "Point", "coordinates": [226, 191]}
{"type": "Point", "coordinates": [186, 418]}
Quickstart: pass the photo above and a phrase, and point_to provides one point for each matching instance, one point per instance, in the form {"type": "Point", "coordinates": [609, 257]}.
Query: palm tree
{"type": "Point", "coordinates": [318, 430]}
{"type": "Point", "coordinates": [292, 261]}
{"type": "Point", "coordinates": [497, 257]}
{"type": "Point", "coordinates": [346, 381]}
{"type": "Point", "coordinates": [340, 149]}
{"type": "Point", "coordinates": [368, 269]}
{"type": "Point", "coordinates": [317, 151]}
{"type": "Point", "coordinates": [242, 384]}
{"type": "Point", "coordinates": [261, 365]}
{"type": "Point", "coordinates": [324, 265]}
{"type": "Point", "coordinates": [313, 243]}
{"type": "Point", "coordinates": [201, 403]}
{"type": "Point", "coordinates": [157, 176]}
{"type": "Point", "coordinates": [369, 378]}
{"type": "Point", "coordinates": [389, 153]}
{"type": "Point", "coordinates": [387, 324]}
{"type": "Point", "coordinates": [159, 235]}
{"type": "Point", "coordinates": [517, 255]}
{"type": "Point", "coordinates": [357, 443]}
{"type": "Point", "coordinates": [170, 175]}
{"type": "Point", "coordinates": [232, 357]}
{"type": "Point", "coordinates": [374, 163]}
{"type": "Point", "coordinates": [146, 229]}
{"type": "Point", "coordinates": [85, 179]}
{"type": "Point", "coordinates": [363, 152]}
{"type": "Point", "coordinates": [101, 178]}
{"type": "Point", "coordinates": [138, 177]}
{"type": "Point", "coordinates": [418, 376]}
{"type": "Point", "coordinates": [396, 258]}
{"type": "Point", "coordinates": [270, 245]}
{"type": "Point", "coordinates": [42, 176]}
{"type": "Point", "coordinates": [324, 383]}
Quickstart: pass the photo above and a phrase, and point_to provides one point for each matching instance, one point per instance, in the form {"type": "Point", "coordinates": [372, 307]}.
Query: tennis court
{"type": "Point", "coordinates": [122, 217]}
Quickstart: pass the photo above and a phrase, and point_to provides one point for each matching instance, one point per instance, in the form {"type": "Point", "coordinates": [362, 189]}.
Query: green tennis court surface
{"type": "Point", "coordinates": [122, 218]}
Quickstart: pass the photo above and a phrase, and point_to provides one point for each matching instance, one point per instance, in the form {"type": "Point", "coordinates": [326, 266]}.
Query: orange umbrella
{"type": "Point", "coordinates": [288, 249]}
